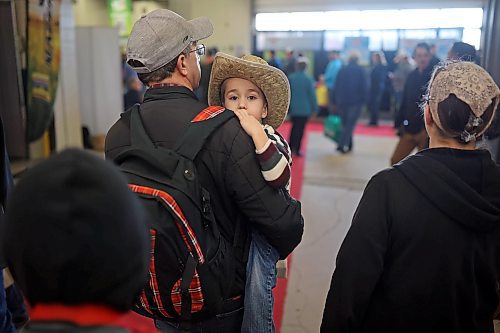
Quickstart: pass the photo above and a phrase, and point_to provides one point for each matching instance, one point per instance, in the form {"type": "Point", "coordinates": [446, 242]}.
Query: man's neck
{"type": "Point", "coordinates": [174, 82]}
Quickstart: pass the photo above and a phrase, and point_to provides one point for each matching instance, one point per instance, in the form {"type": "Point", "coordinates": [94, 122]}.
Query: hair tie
{"type": "Point", "coordinates": [466, 137]}
{"type": "Point", "coordinates": [476, 122]}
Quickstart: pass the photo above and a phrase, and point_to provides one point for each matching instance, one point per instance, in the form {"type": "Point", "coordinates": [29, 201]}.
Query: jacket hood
{"type": "Point", "coordinates": [464, 185]}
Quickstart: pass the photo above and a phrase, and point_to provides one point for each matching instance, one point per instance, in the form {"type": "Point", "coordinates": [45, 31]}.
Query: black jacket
{"type": "Point", "coordinates": [409, 114]}
{"type": "Point", "coordinates": [351, 86]}
{"type": "Point", "coordinates": [423, 251]}
{"type": "Point", "coordinates": [228, 169]}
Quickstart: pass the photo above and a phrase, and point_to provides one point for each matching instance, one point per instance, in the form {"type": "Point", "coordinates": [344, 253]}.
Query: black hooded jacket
{"type": "Point", "coordinates": [423, 251]}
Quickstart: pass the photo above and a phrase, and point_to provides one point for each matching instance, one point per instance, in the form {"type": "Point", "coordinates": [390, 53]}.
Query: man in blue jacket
{"type": "Point", "coordinates": [350, 93]}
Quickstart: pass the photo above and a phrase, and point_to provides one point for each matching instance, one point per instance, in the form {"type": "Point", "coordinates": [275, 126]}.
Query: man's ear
{"type": "Point", "coordinates": [182, 65]}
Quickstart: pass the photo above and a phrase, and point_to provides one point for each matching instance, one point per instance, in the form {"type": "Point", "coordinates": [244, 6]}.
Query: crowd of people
{"type": "Point", "coordinates": [193, 241]}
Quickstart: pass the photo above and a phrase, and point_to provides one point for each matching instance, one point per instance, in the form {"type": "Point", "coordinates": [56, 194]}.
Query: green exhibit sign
{"type": "Point", "coordinates": [120, 15]}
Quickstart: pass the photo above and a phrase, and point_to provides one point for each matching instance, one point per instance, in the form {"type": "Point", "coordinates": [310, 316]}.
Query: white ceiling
{"type": "Point", "coordinates": [269, 6]}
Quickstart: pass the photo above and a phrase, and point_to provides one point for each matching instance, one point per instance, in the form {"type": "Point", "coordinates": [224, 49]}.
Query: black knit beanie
{"type": "Point", "coordinates": [75, 234]}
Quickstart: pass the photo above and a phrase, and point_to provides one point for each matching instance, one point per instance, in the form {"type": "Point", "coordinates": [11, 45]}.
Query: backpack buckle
{"type": "Point", "coordinates": [205, 201]}
{"type": "Point", "coordinates": [205, 205]}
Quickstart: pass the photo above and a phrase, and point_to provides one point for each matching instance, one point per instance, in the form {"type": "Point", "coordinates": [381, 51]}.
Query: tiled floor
{"type": "Point", "coordinates": [332, 187]}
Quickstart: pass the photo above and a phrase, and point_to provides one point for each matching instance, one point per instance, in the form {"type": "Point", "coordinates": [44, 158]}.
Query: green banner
{"type": "Point", "coordinates": [120, 15]}
{"type": "Point", "coordinates": [44, 57]}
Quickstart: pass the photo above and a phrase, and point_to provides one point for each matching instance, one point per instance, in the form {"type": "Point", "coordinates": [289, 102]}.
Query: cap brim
{"type": "Point", "coordinates": [201, 28]}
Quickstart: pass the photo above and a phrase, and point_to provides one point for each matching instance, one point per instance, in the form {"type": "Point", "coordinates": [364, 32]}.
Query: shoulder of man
{"type": "Point", "coordinates": [230, 139]}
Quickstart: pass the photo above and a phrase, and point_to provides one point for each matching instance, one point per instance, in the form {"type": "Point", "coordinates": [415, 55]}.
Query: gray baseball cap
{"type": "Point", "coordinates": [160, 36]}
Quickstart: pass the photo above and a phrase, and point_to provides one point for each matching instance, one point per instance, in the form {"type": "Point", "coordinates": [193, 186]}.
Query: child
{"type": "Point", "coordinates": [322, 97]}
{"type": "Point", "coordinates": [259, 95]}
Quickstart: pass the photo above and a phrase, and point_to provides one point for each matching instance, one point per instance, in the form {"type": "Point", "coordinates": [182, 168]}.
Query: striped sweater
{"type": "Point", "coordinates": [275, 160]}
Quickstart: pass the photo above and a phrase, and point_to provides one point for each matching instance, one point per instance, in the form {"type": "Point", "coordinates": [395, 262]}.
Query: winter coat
{"type": "Point", "coordinates": [423, 251]}
{"type": "Point", "coordinates": [351, 87]}
{"type": "Point", "coordinates": [409, 114]}
{"type": "Point", "coordinates": [331, 72]}
{"type": "Point", "coordinates": [228, 169]}
{"type": "Point", "coordinates": [303, 96]}
{"type": "Point", "coordinates": [378, 76]}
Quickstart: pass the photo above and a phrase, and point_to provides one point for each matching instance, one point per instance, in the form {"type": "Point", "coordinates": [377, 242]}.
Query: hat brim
{"type": "Point", "coordinates": [273, 83]}
{"type": "Point", "coordinates": [201, 28]}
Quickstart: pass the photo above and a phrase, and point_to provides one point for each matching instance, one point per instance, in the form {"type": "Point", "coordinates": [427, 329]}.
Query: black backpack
{"type": "Point", "coordinates": [192, 266]}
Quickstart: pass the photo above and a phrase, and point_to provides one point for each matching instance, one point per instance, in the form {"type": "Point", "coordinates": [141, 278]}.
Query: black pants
{"type": "Point", "coordinates": [297, 132]}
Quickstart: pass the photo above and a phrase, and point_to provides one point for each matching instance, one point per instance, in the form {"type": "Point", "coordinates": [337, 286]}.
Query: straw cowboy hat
{"type": "Point", "coordinates": [272, 81]}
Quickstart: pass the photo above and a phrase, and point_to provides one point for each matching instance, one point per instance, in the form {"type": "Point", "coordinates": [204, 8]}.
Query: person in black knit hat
{"type": "Point", "coordinates": [77, 243]}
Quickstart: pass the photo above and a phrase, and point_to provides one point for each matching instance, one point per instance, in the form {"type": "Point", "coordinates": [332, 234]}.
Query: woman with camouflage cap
{"type": "Point", "coordinates": [423, 251]}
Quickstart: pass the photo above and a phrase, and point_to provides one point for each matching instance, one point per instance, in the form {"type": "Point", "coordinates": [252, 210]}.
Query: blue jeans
{"type": "Point", "coordinates": [349, 116]}
{"type": "Point", "coordinates": [261, 279]}
{"type": "Point", "coordinates": [5, 318]}
{"type": "Point", "coordinates": [223, 323]}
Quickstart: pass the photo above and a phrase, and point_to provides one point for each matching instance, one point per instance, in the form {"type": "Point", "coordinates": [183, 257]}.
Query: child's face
{"type": "Point", "coordinates": [243, 94]}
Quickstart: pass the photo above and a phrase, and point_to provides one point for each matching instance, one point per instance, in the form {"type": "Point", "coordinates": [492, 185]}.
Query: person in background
{"type": "Point", "coordinates": [274, 61]}
{"type": "Point", "coordinates": [13, 314]}
{"type": "Point", "coordinates": [409, 120]}
{"type": "Point", "coordinates": [322, 97]}
{"type": "Point", "coordinates": [290, 62]}
{"type": "Point", "coordinates": [134, 94]}
{"type": "Point", "coordinates": [127, 71]}
{"type": "Point", "coordinates": [434, 58]}
{"type": "Point", "coordinates": [463, 51]}
{"type": "Point", "coordinates": [423, 251]}
{"type": "Point", "coordinates": [302, 104]}
{"type": "Point", "coordinates": [331, 72]}
{"type": "Point", "coordinates": [6, 183]}
{"type": "Point", "coordinates": [77, 244]}
{"type": "Point", "coordinates": [350, 94]}
{"type": "Point", "coordinates": [206, 69]}
{"type": "Point", "coordinates": [399, 76]}
{"type": "Point", "coordinates": [378, 76]}
{"type": "Point", "coordinates": [5, 316]}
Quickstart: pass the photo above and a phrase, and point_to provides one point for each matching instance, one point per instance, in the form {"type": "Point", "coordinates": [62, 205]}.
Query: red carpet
{"type": "Point", "coordinates": [381, 130]}
{"type": "Point", "coordinates": [137, 324]}
{"type": "Point", "coordinates": [361, 129]}
{"type": "Point", "coordinates": [295, 190]}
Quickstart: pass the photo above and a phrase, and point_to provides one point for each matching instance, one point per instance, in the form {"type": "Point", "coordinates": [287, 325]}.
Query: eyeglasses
{"type": "Point", "coordinates": [200, 50]}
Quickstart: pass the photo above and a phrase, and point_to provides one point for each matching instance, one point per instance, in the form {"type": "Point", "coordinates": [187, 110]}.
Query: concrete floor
{"type": "Point", "coordinates": [332, 187]}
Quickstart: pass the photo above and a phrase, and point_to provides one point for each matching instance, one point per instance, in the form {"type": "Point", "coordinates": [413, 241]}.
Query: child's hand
{"type": "Point", "coordinates": [252, 127]}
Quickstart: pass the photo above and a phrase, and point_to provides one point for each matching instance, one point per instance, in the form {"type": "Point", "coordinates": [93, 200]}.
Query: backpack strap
{"type": "Point", "coordinates": [200, 128]}
{"type": "Point", "coordinates": [158, 161]}
{"type": "Point", "coordinates": [187, 277]}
